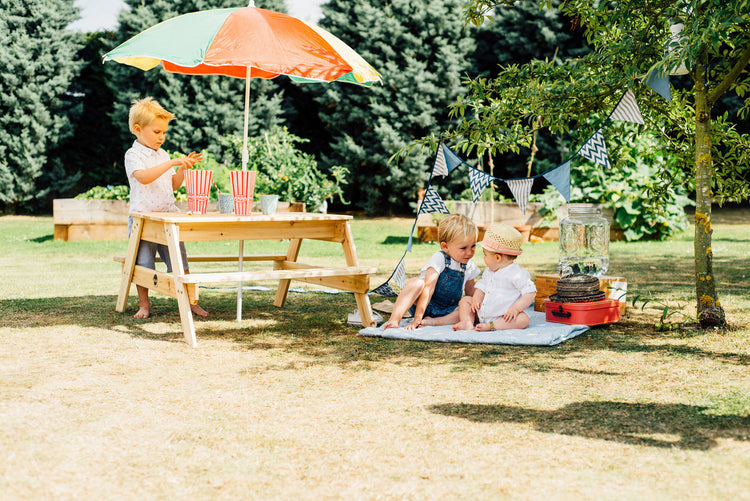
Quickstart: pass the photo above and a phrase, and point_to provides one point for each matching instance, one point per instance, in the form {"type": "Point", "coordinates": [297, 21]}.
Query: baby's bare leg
{"type": "Point", "coordinates": [465, 315]}
{"type": "Point", "coordinates": [520, 322]}
{"type": "Point", "coordinates": [448, 319]}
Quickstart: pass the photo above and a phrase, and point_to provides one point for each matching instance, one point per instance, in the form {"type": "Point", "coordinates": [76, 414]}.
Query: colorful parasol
{"type": "Point", "coordinates": [245, 42]}
{"type": "Point", "coordinates": [235, 42]}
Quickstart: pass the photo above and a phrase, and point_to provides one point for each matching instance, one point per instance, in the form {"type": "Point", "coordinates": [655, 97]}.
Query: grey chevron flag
{"type": "Point", "coordinates": [627, 109]}
{"type": "Point", "coordinates": [384, 290]}
{"type": "Point", "coordinates": [433, 203]}
{"type": "Point", "coordinates": [479, 181]}
{"type": "Point", "coordinates": [521, 189]}
{"type": "Point", "coordinates": [595, 149]}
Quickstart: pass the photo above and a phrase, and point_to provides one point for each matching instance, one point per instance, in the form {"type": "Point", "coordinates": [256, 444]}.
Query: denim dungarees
{"type": "Point", "coordinates": [449, 290]}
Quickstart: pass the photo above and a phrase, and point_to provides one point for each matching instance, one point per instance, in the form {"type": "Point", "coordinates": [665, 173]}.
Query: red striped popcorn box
{"type": "Point", "coordinates": [243, 187]}
{"type": "Point", "coordinates": [198, 184]}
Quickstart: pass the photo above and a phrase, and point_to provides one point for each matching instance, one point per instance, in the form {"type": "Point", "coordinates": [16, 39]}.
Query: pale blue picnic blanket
{"type": "Point", "coordinates": [539, 332]}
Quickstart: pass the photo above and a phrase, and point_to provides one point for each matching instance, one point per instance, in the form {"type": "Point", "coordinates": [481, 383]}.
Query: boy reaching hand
{"type": "Point", "coordinates": [153, 181]}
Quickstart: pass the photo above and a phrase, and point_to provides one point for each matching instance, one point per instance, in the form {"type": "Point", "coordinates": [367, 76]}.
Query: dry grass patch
{"type": "Point", "coordinates": [290, 403]}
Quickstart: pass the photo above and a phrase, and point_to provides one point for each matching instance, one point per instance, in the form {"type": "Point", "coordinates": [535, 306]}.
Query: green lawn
{"type": "Point", "coordinates": [291, 403]}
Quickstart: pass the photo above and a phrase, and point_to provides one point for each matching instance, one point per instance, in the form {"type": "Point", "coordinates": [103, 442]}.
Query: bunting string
{"type": "Point", "coordinates": [593, 149]}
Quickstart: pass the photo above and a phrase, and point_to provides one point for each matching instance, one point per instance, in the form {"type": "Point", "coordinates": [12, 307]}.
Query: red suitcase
{"type": "Point", "coordinates": [601, 312]}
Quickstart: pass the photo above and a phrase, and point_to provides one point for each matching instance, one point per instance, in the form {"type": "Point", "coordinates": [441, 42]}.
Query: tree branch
{"type": "Point", "coordinates": [727, 81]}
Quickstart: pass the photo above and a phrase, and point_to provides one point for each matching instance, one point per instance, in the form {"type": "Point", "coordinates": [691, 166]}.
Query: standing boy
{"type": "Point", "coordinates": [153, 180]}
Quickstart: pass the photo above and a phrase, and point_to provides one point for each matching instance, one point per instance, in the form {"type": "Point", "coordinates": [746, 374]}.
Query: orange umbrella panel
{"type": "Point", "coordinates": [229, 41]}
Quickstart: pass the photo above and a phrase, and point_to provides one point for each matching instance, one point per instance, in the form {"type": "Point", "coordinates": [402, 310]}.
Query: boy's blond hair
{"type": "Point", "coordinates": [144, 110]}
{"type": "Point", "coordinates": [454, 227]}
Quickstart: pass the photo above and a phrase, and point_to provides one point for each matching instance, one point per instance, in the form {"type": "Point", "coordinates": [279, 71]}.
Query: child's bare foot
{"type": "Point", "coordinates": [143, 312]}
{"type": "Point", "coordinates": [198, 310]}
{"type": "Point", "coordinates": [391, 324]}
{"type": "Point", "coordinates": [484, 327]}
{"type": "Point", "coordinates": [466, 325]}
{"type": "Point", "coordinates": [427, 321]}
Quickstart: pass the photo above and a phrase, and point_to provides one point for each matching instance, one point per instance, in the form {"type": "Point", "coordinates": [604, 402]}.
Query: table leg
{"type": "Point", "coordinates": [291, 255]}
{"type": "Point", "coordinates": [239, 284]}
{"type": "Point", "coordinates": [363, 300]}
{"type": "Point", "coordinates": [172, 233]}
{"type": "Point", "coordinates": [129, 265]}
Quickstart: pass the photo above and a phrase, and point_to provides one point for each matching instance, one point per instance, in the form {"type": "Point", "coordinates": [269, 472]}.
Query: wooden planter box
{"type": "Point", "coordinates": [108, 219]}
{"type": "Point", "coordinates": [483, 215]}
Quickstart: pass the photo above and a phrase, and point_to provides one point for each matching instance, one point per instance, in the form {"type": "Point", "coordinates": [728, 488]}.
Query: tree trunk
{"type": "Point", "coordinates": [710, 313]}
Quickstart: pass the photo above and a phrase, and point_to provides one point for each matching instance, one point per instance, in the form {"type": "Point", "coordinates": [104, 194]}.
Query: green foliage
{"type": "Point", "coordinates": [286, 171]}
{"type": "Point", "coordinates": [119, 192]}
{"type": "Point", "coordinates": [421, 48]}
{"type": "Point", "coordinates": [644, 206]}
{"type": "Point", "coordinates": [667, 311]}
{"type": "Point", "coordinates": [96, 156]}
{"type": "Point", "coordinates": [37, 65]}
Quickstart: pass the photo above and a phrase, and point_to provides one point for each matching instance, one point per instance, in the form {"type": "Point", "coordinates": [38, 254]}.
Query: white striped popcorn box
{"type": "Point", "coordinates": [243, 187]}
{"type": "Point", "coordinates": [198, 184]}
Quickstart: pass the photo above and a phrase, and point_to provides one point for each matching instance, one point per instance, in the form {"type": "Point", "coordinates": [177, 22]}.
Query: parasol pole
{"type": "Point", "coordinates": [245, 159]}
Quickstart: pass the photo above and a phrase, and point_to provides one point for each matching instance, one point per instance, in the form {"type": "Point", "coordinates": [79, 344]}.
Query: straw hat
{"type": "Point", "coordinates": [502, 239]}
{"type": "Point", "coordinates": [577, 289]}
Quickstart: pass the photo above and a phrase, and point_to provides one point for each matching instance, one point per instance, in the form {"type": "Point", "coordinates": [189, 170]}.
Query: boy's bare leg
{"type": "Point", "coordinates": [144, 305]}
{"type": "Point", "coordinates": [405, 299]}
{"type": "Point", "coordinates": [465, 315]}
{"type": "Point", "coordinates": [195, 308]}
{"type": "Point", "coordinates": [520, 322]}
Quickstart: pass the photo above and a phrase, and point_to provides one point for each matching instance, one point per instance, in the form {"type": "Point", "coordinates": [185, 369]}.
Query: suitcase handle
{"type": "Point", "coordinates": [560, 313]}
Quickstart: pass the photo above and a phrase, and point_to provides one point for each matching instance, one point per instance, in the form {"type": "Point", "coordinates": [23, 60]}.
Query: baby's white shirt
{"type": "Point", "coordinates": [502, 288]}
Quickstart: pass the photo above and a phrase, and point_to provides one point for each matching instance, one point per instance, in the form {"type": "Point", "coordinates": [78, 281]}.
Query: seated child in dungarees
{"type": "Point", "coordinates": [152, 180]}
{"type": "Point", "coordinates": [505, 289]}
{"type": "Point", "coordinates": [449, 274]}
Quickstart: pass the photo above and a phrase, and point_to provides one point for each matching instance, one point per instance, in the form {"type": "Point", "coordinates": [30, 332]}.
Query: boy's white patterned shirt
{"type": "Point", "coordinates": [157, 196]}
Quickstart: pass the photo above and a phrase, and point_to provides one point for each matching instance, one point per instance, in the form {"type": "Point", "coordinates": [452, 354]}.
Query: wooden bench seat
{"type": "Point", "coordinates": [216, 258]}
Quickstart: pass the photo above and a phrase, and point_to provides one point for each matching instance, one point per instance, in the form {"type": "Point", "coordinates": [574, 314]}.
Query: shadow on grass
{"type": "Point", "coordinates": [655, 425]}
{"type": "Point", "coordinates": [314, 326]}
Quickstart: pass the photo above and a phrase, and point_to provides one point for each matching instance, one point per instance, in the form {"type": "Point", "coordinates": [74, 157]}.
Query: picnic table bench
{"type": "Point", "coordinates": [171, 228]}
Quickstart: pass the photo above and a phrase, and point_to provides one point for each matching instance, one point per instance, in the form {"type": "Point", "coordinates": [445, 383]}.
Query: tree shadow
{"type": "Point", "coordinates": [655, 425]}
{"type": "Point", "coordinates": [314, 326]}
{"type": "Point", "coordinates": [390, 239]}
{"type": "Point", "coordinates": [42, 239]}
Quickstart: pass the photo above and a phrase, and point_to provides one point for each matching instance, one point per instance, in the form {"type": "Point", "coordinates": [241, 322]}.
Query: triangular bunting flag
{"type": "Point", "coordinates": [433, 203]}
{"type": "Point", "coordinates": [659, 82]}
{"type": "Point", "coordinates": [384, 290]}
{"type": "Point", "coordinates": [559, 177]}
{"type": "Point", "coordinates": [399, 274]}
{"type": "Point", "coordinates": [627, 109]}
{"type": "Point", "coordinates": [479, 181]}
{"type": "Point", "coordinates": [595, 150]}
{"type": "Point", "coordinates": [445, 161]}
{"type": "Point", "coordinates": [521, 188]}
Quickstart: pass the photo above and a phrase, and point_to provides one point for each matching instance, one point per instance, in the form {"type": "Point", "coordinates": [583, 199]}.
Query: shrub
{"type": "Point", "coordinates": [643, 189]}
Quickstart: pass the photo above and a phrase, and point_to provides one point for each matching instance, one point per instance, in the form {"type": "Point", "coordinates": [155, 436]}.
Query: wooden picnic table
{"type": "Point", "coordinates": [169, 228]}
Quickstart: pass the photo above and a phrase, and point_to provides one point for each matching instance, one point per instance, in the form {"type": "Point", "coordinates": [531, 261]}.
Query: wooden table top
{"type": "Point", "coordinates": [217, 217]}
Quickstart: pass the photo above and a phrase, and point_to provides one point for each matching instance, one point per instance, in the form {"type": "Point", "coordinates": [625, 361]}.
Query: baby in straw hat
{"type": "Point", "coordinates": [505, 289]}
